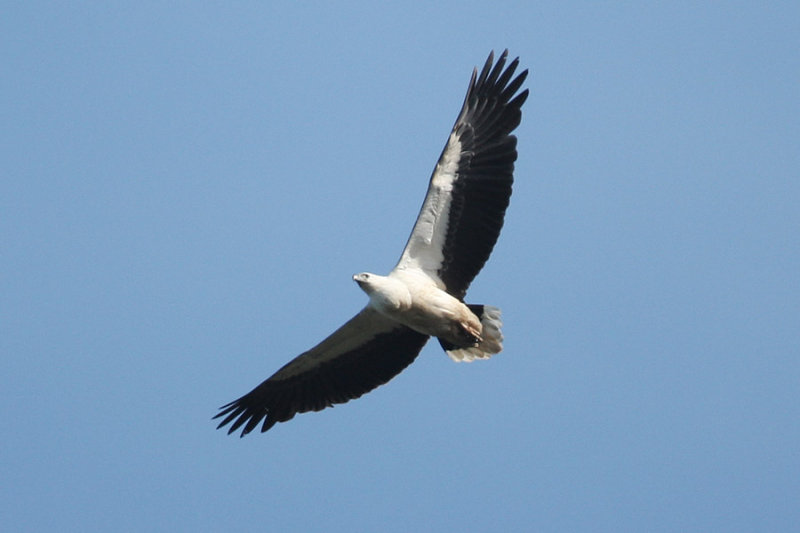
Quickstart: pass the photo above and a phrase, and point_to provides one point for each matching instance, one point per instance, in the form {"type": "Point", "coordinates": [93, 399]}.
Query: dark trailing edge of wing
{"type": "Point", "coordinates": [482, 188]}
{"type": "Point", "coordinates": [338, 380]}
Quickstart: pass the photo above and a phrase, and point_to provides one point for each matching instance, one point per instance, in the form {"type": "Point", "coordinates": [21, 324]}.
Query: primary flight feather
{"type": "Point", "coordinates": [423, 296]}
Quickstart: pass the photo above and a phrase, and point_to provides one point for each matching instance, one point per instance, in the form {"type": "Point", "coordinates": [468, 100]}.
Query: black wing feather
{"type": "Point", "coordinates": [338, 380]}
{"type": "Point", "coordinates": [482, 188]}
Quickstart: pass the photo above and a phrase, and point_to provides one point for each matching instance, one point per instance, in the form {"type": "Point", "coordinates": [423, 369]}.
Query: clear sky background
{"type": "Point", "coordinates": [187, 189]}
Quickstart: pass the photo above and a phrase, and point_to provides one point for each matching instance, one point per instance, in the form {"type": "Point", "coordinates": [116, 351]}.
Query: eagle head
{"type": "Point", "coordinates": [364, 280]}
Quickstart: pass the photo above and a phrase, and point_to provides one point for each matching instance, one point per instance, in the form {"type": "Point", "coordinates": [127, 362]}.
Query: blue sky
{"type": "Point", "coordinates": [187, 189]}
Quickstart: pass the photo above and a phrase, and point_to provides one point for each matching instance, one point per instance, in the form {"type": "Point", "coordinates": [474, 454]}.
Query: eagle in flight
{"type": "Point", "coordinates": [423, 296]}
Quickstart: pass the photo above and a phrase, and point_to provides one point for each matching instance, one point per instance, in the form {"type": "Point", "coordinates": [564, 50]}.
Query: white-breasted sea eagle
{"type": "Point", "coordinates": [423, 296]}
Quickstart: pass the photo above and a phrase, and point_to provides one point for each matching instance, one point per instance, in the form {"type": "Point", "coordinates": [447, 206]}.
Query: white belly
{"type": "Point", "coordinates": [434, 312]}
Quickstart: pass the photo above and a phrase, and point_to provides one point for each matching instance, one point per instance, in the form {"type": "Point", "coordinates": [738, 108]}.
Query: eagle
{"type": "Point", "coordinates": [423, 296]}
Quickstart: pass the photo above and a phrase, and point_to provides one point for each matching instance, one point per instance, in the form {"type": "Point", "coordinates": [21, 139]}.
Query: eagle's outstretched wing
{"type": "Point", "coordinates": [470, 188]}
{"type": "Point", "coordinates": [365, 352]}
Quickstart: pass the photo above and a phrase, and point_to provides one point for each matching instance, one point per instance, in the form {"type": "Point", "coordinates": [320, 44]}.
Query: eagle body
{"type": "Point", "coordinates": [415, 301]}
{"type": "Point", "coordinates": [423, 296]}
